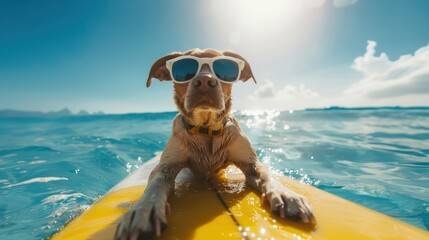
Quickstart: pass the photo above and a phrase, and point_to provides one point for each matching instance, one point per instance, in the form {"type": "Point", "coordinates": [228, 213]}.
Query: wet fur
{"type": "Point", "coordinates": [202, 154]}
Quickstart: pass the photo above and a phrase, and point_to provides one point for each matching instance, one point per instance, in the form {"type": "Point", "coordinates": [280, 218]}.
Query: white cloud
{"type": "Point", "coordinates": [290, 91]}
{"type": "Point", "coordinates": [267, 95]}
{"type": "Point", "coordinates": [383, 82]}
{"type": "Point", "coordinates": [369, 63]}
{"type": "Point", "coordinates": [391, 82]}
{"type": "Point", "coordinates": [265, 90]}
{"type": "Point", "coordinates": [344, 3]}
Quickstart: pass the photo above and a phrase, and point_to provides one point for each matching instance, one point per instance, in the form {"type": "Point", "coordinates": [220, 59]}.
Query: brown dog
{"type": "Point", "coordinates": [205, 139]}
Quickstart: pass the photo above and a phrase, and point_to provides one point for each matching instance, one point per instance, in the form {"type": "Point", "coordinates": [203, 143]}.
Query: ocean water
{"type": "Point", "coordinates": [51, 169]}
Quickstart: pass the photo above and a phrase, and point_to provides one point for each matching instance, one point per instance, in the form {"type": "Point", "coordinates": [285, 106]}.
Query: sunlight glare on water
{"type": "Point", "coordinates": [379, 157]}
{"type": "Point", "coordinates": [52, 169]}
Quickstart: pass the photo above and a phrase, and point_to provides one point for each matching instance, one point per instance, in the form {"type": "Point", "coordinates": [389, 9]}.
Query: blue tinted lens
{"type": "Point", "coordinates": [226, 70]}
{"type": "Point", "coordinates": [184, 69]}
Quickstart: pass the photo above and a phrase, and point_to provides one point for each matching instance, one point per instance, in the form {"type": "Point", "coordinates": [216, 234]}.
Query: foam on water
{"type": "Point", "coordinates": [51, 169]}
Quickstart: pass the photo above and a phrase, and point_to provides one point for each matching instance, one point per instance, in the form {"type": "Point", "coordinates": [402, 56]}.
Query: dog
{"type": "Point", "coordinates": [205, 139]}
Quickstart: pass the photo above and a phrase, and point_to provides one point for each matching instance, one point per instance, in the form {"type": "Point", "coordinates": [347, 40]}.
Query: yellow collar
{"type": "Point", "coordinates": [207, 131]}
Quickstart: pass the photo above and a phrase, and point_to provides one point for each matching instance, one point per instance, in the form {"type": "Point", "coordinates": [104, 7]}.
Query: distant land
{"type": "Point", "coordinates": [339, 108]}
{"type": "Point", "coordinates": [65, 112]}
{"type": "Point", "coordinates": [61, 113]}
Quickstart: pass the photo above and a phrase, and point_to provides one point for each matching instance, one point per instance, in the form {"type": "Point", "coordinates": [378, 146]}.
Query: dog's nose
{"type": "Point", "coordinates": [204, 82]}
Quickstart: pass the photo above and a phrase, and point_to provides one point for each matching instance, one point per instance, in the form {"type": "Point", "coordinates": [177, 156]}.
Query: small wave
{"type": "Point", "coordinates": [23, 151]}
{"type": "Point", "coordinates": [37, 162]}
{"type": "Point", "coordinates": [66, 212]}
{"type": "Point", "coordinates": [37, 180]}
{"type": "Point", "coordinates": [373, 190]}
{"type": "Point", "coordinates": [60, 197]}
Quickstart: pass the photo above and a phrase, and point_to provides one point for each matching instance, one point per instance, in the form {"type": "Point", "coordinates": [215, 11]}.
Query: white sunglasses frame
{"type": "Point", "coordinates": [201, 62]}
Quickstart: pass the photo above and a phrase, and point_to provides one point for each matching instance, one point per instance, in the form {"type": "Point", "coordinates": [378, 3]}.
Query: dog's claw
{"type": "Point", "coordinates": [158, 227]}
{"type": "Point", "coordinates": [282, 211]}
{"type": "Point", "coordinates": [303, 217]}
{"type": "Point", "coordinates": [311, 217]}
{"type": "Point", "coordinates": [167, 208]}
{"type": "Point", "coordinates": [263, 198]}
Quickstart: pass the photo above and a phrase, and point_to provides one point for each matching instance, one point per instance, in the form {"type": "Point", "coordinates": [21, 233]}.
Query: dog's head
{"type": "Point", "coordinates": [205, 92]}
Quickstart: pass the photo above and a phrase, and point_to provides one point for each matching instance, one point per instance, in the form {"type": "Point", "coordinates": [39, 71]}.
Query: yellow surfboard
{"type": "Point", "coordinates": [226, 209]}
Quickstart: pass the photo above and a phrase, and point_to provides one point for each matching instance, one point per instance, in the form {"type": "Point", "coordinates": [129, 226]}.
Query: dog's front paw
{"type": "Point", "coordinates": [285, 202]}
{"type": "Point", "coordinates": [143, 221]}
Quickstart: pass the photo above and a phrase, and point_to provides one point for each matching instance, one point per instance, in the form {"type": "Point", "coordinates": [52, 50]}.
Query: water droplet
{"type": "Point", "coordinates": [129, 166]}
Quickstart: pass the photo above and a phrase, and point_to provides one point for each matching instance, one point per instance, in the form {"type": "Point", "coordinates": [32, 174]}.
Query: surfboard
{"type": "Point", "coordinates": [225, 208]}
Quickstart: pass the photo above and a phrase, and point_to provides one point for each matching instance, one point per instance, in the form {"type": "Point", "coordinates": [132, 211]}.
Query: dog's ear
{"type": "Point", "coordinates": [246, 73]}
{"type": "Point", "coordinates": [159, 69]}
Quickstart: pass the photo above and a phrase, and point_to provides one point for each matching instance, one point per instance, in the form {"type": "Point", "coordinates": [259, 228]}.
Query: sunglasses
{"type": "Point", "coordinates": [226, 69]}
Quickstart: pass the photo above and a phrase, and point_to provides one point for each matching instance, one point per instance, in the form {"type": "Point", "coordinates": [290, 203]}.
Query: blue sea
{"type": "Point", "coordinates": [53, 168]}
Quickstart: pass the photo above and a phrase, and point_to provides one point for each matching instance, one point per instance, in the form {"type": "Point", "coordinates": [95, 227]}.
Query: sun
{"type": "Point", "coordinates": [256, 17]}
{"type": "Point", "coordinates": [275, 28]}
{"type": "Point", "coordinates": [267, 15]}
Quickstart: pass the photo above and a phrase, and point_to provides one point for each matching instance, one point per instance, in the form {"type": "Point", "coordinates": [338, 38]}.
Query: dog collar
{"type": "Point", "coordinates": [204, 130]}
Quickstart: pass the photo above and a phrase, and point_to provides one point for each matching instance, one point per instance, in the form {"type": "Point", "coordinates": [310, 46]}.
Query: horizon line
{"type": "Point", "coordinates": [66, 111]}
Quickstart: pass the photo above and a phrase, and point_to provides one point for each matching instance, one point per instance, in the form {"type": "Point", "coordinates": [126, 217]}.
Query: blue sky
{"type": "Point", "coordinates": [95, 55]}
